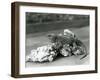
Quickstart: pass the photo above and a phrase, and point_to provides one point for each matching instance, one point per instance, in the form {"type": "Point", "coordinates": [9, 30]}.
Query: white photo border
{"type": "Point", "coordinates": [22, 28]}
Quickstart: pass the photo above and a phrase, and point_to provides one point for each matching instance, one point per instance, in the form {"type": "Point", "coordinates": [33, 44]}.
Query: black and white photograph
{"type": "Point", "coordinates": [51, 39]}
{"type": "Point", "coordinates": [56, 39]}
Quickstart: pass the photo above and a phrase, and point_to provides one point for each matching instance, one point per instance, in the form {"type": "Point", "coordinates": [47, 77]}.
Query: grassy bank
{"type": "Point", "coordinates": [42, 27]}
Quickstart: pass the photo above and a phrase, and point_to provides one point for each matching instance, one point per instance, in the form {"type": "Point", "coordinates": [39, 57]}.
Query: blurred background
{"type": "Point", "coordinates": [39, 22]}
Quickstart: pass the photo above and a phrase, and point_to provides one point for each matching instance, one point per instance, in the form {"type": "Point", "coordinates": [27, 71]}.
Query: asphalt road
{"type": "Point", "coordinates": [39, 39]}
